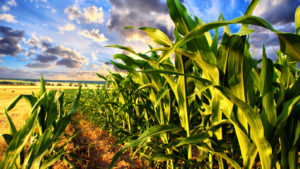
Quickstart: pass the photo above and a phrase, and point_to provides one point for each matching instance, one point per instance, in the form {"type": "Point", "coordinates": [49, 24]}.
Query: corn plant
{"type": "Point", "coordinates": [38, 144]}
{"type": "Point", "coordinates": [214, 104]}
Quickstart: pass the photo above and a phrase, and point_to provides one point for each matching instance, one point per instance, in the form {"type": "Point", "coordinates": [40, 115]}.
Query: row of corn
{"type": "Point", "coordinates": [197, 102]}
{"type": "Point", "coordinates": [41, 141]}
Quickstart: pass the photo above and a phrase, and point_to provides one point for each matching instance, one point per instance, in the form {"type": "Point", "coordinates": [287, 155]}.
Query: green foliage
{"type": "Point", "coordinates": [210, 105]}
{"type": "Point", "coordinates": [41, 133]}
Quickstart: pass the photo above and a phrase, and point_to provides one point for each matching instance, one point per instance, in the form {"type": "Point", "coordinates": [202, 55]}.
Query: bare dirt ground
{"type": "Point", "coordinates": [94, 147]}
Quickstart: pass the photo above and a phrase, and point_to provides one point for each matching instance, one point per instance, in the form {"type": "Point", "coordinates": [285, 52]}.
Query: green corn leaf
{"type": "Point", "coordinates": [255, 123]}
{"type": "Point", "coordinates": [12, 128]}
{"type": "Point", "coordinates": [269, 114]}
{"type": "Point", "coordinates": [115, 158]}
{"type": "Point", "coordinates": [194, 139]}
{"type": "Point", "coordinates": [228, 159]}
{"type": "Point", "coordinates": [176, 73]}
{"type": "Point", "coordinates": [52, 160]}
{"type": "Point", "coordinates": [13, 103]}
{"type": "Point", "coordinates": [39, 150]}
{"type": "Point", "coordinates": [21, 137]}
{"type": "Point", "coordinates": [7, 138]}
{"type": "Point", "coordinates": [184, 24]}
{"type": "Point", "coordinates": [75, 102]}
{"type": "Point", "coordinates": [42, 87]}
{"type": "Point", "coordinates": [101, 76]}
{"type": "Point", "coordinates": [155, 35]}
{"type": "Point", "coordinates": [251, 7]}
{"type": "Point", "coordinates": [164, 157]}
{"type": "Point", "coordinates": [285, 113]}
{"type": "Point", "coordinates": [162, 93]}
{"type": "Point", "coordinates": [297, 20]}
{"type": "Point", "coordinates": [30, 99]}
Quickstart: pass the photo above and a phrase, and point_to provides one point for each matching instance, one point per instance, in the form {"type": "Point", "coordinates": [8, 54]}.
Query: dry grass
{"type": "Point", "coordinates": [94, 147]}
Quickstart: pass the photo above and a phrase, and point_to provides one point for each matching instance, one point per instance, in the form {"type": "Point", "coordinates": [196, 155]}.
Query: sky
{"type": "Point", "coordinates": [66, 39]}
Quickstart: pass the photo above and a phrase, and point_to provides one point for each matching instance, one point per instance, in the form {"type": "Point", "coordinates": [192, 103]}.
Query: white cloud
{"type": "Point", "coordinates": [53, 10]}
{"type": "Point", "coordinates": [88, 15]}
{"type": "Point", "coordinates": [93, 14]}
{"type": "Point", "coordinates": [67, 27]}
{"type": "Point", "coordinates": [12, 3]}
{"type": "Point", "coordinates": [5, 8]}
{"type": "Point", "coordinates": [8, 18]}
{"type": "Point", "coordinates": [94, 35]}
{"type": "Point", "coordinates": [46, 38]}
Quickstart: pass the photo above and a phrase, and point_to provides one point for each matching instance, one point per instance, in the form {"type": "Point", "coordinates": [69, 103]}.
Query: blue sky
{"type": "Point", "coordinates": [66, 39]}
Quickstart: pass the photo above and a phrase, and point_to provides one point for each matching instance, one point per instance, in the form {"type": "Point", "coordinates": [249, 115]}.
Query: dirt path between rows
{"type": "Point", "coordinates": [94, 147]}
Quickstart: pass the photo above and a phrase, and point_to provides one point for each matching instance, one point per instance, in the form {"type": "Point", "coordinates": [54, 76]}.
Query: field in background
{"type": "Point", "coordinates": [9, 89]}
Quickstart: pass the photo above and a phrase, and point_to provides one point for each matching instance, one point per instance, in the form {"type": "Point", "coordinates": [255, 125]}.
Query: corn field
{"type": "Point", "coordinates": [192, 102]}
{"type": "Point", "coordinates": [196, 102]}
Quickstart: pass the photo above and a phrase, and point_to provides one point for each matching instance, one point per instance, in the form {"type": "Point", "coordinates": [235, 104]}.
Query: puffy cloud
{"type": "Point", "coordinates": [53, 11]}
{"type": "Point", "coordinates": [89, 15]}
{"type": "Point", "coordinates": [137, 13]}
{"type": "Point", "coordinates": [68, 58]}
{"type": "Point", "coordinates": [8, 18]}
{"type": "Point", "coordinates": [94, 35]}
{"type": "Point", "coordinates": [67, 27]}
{"type": "Point", "coordinates": [9, 43]}
{"type": "Point", "coordinates": [6, 6]}
{"type": "Point", "coordinates": [277, 11]}
{"type": "Point", "coordinates": [46, 55]}
{"type": "Point", "coordinates": [12, 3]}
{"type": "Point", "coordinates": [45, 58]}
{"type": "Point", "coordinates": [38, 43]}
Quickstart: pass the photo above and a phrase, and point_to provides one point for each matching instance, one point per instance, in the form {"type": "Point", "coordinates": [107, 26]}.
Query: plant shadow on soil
{"type": "Point", "coordinates": [94, 147]}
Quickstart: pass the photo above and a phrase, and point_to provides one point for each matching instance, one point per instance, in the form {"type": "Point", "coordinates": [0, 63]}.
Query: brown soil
{"type": "Point", "coordinates": [94, 147]}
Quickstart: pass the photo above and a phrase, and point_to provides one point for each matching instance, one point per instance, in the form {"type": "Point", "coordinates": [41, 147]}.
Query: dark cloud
{"type": "Point", "coordinates": [38, 65]}
{"type": "Point", "coordinates": [136, 13]}
{"type": "Point", "coordinates": [69, 58]}
{"type": "Point", "coordinates": [282, 12]}
{"type": "Point", "coordinates": [9, 42]}
{"type": "Point", "coordinates": [45, 58]}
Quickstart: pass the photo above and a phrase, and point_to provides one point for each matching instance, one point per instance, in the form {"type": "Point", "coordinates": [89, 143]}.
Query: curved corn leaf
{"type": "Point", "coordinates": [285, 113]}
{"type": "Point", "coordinates": [101, 76]}
{"type": "Point", "coordinates": [269, 114]}
{"type": "Point", "coordinates": [289, 42]}
{"type": "Point", "coordinates": [257, 130]}
{"type": "Point", "coordinates": [21, 137]}
{"type": "Point", "coordinates": [12, 128]}
{"type": "Point", "coordinates": [75, 102]}
{"type": "Point", "coordinates": [155, 35]}
{"type": "Point", "coordinates": [251, 7]}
